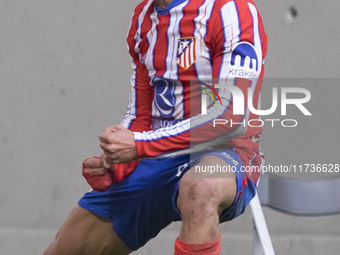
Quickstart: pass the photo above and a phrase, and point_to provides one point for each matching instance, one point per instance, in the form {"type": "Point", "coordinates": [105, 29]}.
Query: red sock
{"type": "Point", "coordinates": [212, 248]}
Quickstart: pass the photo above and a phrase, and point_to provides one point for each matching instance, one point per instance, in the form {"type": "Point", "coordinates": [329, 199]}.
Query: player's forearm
{"type": "Point", "coordinates": [152, 143]}
{"type": "Point", "coordinates": [198, 130]}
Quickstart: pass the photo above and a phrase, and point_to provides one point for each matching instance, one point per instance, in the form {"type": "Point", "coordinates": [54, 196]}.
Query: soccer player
{"type": "Point", "coordinates": [181, 49]}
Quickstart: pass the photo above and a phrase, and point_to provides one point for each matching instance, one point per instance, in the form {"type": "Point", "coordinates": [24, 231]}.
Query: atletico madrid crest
{"type": "Point", "coordinates": [186, 52]}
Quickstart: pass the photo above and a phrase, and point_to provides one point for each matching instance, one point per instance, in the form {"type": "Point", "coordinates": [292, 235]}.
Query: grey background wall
{"type": "Point", "coordinates": [64, 77]}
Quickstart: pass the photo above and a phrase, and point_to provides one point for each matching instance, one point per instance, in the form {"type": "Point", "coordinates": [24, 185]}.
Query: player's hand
{"type": "Point", "coordinates": [118, 144]}
{"type": "Point", "coordinates": [99, 177]}
{"type": "Point", "coordinates": [95, 166]}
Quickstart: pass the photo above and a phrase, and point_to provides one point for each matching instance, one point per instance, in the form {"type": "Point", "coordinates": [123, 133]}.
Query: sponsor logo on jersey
{"type": "Point", "coordinates": [186, 52]}
{"type": "Point", "coordinates": [165, 99]}
{"type": "Point", "coordinates": [244, 62]}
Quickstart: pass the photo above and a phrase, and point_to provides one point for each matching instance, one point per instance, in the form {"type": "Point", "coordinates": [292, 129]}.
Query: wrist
{"type": "Point", "coordinates": [139, 144]}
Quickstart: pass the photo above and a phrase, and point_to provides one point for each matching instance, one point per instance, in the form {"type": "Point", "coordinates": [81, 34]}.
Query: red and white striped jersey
{"type": "Point", "coordinates": [221, 40]}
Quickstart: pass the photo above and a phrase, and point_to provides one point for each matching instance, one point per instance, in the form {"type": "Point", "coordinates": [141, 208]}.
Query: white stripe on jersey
{"type": "Point", "coordinates": [175, 130]}
{"type": "Point", "coordinates": [179, 108]}
{"type": "Point", "coordinates": [257, 38]}
{"type": "Point", "coordinates": [176, 15]}
{"type": "Point", "coordinates": [204, 68]}
{"type": "Point", "coordinates": [152, 36]}
{"type": "Point", "coordinates": [132, 109]}
{"type": "Point", "coordinates": [231, 32]}
{"type": "Point", "coordinates": [138, 37]}
{"type": "Point", "coordinates": [258, 48]}
{"type": "Point", "coordinates": [190, 56]}
{"type": "Point", "coordinates": [131, 112]}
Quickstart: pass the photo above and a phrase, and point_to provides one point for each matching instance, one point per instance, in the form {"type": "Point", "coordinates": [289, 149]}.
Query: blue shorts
{"type": "Point", "coordinates": [146, 202]}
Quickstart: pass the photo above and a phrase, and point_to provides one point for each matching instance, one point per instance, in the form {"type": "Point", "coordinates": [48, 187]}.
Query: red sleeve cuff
{"type": "Point", "coordinates": [123, 171]}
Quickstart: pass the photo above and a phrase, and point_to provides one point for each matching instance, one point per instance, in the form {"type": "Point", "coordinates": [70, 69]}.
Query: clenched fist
{"type": "Point", "coordinates": [99, 177]}
{"type": "Point", "coordinates": [118, 145]}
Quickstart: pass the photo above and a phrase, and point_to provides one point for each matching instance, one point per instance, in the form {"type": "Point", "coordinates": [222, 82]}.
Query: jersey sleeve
{"type": "Point", "coordinates": [138, 115]}
{"type": "Point", "coordinates": [237, 52]}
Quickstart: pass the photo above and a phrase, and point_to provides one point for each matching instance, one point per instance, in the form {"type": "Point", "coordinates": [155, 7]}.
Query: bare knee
{"type": "Point", "coordinates": [205, 196]}
{"type": "Point", "coordinates": [197, 196]}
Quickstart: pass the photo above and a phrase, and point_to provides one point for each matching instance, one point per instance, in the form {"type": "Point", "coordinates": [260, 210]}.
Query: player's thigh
{"type": "Point", "coordinates": [86, 233]}
{"type": "Point", "coordinates": [221, 191]}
